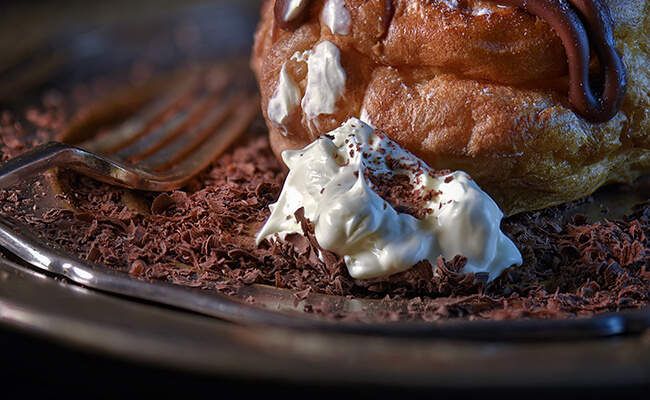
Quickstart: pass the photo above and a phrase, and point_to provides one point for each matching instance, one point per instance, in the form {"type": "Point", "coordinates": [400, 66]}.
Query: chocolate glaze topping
{"type": "Point", "coordinates": [582, 25]}
{"type": "Point", "coordinates": [585, 25]}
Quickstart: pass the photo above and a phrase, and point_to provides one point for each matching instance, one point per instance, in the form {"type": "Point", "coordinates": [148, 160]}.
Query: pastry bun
{"type": "Point", "coordinates": [470, 86]}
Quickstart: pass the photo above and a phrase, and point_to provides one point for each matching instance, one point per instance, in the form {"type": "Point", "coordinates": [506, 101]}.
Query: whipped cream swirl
{"type": "Point", "coordinates": [332, 179]}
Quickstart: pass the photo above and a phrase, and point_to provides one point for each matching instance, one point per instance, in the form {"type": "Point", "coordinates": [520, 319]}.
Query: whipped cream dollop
{"type": "Point", "coordinates": [336, 180]}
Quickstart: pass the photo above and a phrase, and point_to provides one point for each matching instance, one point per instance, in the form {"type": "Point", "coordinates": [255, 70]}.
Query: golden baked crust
{"type": "Point", "coordinates": [482, 89]}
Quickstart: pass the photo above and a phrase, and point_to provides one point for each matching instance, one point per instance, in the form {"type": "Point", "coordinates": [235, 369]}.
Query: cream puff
{"type": "Point", "coordinates": [540, 102]}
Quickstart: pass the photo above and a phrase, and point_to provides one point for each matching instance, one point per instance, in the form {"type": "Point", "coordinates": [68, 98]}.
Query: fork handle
{"type": "Point", "coordinates": [39, 159]}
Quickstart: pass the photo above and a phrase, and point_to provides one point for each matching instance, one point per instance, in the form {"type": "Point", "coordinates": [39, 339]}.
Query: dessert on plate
{"type": "Point", "coordinates": [372, 98]}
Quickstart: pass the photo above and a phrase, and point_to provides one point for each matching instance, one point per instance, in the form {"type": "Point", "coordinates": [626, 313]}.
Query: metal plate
{"type": "Point", "coordinates": [69, 320]}
{"type": "Point", "coordinates": [81, 319]}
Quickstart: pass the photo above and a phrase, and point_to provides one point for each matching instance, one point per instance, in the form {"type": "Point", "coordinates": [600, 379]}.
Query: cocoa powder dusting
{"type": "Point", "coordinates": [203, 237]}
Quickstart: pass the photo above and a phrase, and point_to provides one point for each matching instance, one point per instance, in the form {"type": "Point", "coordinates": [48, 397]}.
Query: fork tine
{"type": "Point", "coordinates": [111, 109]}
{"type": "Point", "coordinates": [217, 131]}
{"type": "Point", "coordinates": [163, 133]}
{"type": "Point", "coordinates": [220, 107]}
{"type": "Point", "coordinates": [219, 141]}
{"type": "Point", "coordinates": [133, 128]}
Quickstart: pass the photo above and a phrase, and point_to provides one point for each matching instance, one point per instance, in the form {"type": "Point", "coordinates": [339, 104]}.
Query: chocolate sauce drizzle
{"type": "Point", "coordinates": [585, 25]}
{"type": "Point", "coordinates": [582, 25]}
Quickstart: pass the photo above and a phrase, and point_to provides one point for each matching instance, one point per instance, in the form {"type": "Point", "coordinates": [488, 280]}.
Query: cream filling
{"type": "Point", "coordinates": [325, 80]}
{"type": "Point", "coordinates": [285, 99]}
{"type": "Point", "coordinates": [336, 17]}
{"type": "Point", "coordinates": [325, 85]}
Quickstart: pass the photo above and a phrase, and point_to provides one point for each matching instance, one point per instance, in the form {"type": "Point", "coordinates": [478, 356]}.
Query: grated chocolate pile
{"type": "Point", "coordinates": [203, 237]}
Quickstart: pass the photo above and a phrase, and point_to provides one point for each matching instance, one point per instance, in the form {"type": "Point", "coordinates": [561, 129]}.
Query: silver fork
{"type": "Point", "coordinates": [171, 139]}
{"type": "Point", "coordinates": [160, 148]}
